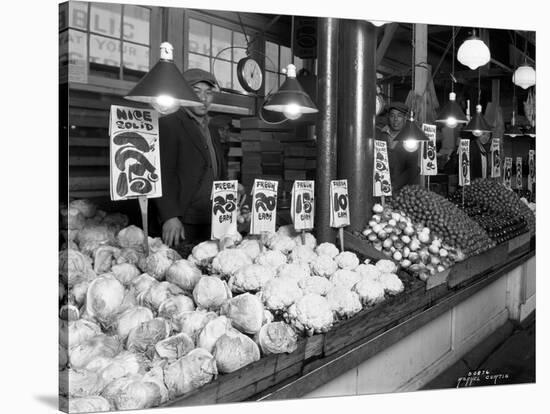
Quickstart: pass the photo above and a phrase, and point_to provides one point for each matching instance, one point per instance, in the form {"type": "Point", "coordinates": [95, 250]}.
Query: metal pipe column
{"type": "Point", "coordinates": [327, 88]}
{"type": "Point", "coordinates": [356, 116]}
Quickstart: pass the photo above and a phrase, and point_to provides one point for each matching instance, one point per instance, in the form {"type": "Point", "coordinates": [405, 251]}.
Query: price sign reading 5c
{"type": "Point", "coordinates": [339, 204]}
{"type": "Point", "coordinates": [303, 205]}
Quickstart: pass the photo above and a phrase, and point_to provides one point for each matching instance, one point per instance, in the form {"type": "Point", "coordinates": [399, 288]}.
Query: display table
{"type": "Point", "coordinates": [399, 345]}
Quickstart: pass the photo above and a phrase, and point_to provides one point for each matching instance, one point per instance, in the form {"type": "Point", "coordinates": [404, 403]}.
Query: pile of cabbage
{"type": "Point", "coordinates": [137, 329]}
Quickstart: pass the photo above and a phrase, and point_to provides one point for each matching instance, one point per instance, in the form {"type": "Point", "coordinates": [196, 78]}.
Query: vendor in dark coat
{"type": "Point", "coordinates": [404, 168]}
{"type": "Point", "coordinates": [191, 159]}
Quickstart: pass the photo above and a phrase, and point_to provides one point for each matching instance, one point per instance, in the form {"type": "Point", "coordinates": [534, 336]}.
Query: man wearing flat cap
{"type": "Point", "coordinates": [404, 167]}
{"type": "Point", "coordinates": [191, 159]}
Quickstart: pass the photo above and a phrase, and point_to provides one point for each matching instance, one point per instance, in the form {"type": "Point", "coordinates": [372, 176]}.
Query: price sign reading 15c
{"type": "Point", "coordinates": [339, 204]}
{"type": "Point", "coordinates": [302, 202]}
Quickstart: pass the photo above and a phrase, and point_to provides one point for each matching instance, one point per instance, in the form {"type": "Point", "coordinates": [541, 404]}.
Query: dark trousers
{"type": "Point", "coordinates": [196, 233]}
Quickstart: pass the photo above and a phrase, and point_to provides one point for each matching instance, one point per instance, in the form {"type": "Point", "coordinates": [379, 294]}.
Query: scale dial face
{"type": "Point", "coordinates": [250, 74]}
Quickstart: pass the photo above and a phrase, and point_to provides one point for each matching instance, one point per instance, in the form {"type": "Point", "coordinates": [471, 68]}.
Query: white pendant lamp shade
{"type": "Point", "coordinates": [473, 53]}
{"type": "Point", "coordinates": [378, 23]}
{"type": "Point", "coordinates": [524, 76]}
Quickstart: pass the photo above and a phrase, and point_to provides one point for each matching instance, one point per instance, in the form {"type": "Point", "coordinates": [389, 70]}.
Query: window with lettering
{"type": "Point", "coordinates": [277, 58]}
{"type": "Point", "coordinates": [216, 49]}
{"type": "Point", "coordinates": [106, 40]}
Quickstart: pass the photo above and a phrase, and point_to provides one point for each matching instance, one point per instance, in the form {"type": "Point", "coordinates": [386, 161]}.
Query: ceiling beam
{"type": "Point", "coordinates": [389, 31]}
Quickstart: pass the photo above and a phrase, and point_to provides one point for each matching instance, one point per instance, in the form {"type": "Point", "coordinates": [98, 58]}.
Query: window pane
{"type": "Point", "coordinates": [222, 71]}
{"type": "Point", "coordinates": [199, 37]}
{"type": "Point", "coordinates": [271, 82]}
{"type": "Point", "coordinates": [198, 61]}
{"type": "Point", "coordinates": [104, 51]}
{"type": "Point", "coordinates": [281, 79]}
{"type": "Point", "coordinates": [105, 19]}
{"type": "Point", "coordinates": [240, 41]}
{"type": "Point", "coordinates": [299, 63]}
{"type": "Point", "coordinates": [285, 57]}
{"type": "Point", "coordinates": [272, 52]}
{"type": "Point", "coordinates": [135, 27]}
{"type": "Point", "coordinates": [74, 44]}
{"type": "Point", "coordinates": [236, 85]}
{"type": "Point", "coordinates": [136, 57]}
{"type": "Point", "coordinates": [78, 15]}
{"type": "Point", "coordinates": [221, 39]}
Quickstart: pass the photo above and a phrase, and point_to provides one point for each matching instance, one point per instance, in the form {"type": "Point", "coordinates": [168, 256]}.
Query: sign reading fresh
{"type": "Point", "coordinates": [224, 208]}
{"type": "Point", "coordinates": [381, 178]}
{"type": "Point", "coordinates": [429, 154]}
{"type": "Point", "coordinates": [264, 206]}
{"type": "Point", "coordinates": [303, 205]}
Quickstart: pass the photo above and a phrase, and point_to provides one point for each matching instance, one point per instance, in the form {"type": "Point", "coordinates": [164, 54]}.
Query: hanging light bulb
{"type": "Point", "coordinates": [451, 114]}
{"type": "Point", "coordinates": [291, 99]}
{"type": "Point", "coordinates": [524, 76]}
{"type": "Point", "coordinates": [164, 87]}
{"type": "Point", "coordinates": [410, 135]}
{"type": "Point", "coordinates": [478, 126]}
{"type": "Point", "coordinates": [378, 23]}
{"type": "Point", "coordinates": [473, 52]}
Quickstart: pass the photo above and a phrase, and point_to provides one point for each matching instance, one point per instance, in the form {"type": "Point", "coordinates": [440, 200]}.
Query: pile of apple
{"type": "Point", "coordinates": [414, 247]}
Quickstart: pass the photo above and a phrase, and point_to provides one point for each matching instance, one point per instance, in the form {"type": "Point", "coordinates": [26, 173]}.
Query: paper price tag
{"type": "Point", "coordinates": [224, 208]}
{"type": "Point", "coordinates": [495, 158]}
{"type": "Point", "coordinates": [428, 165]}
{"type": "Point", "coordinates": [339, 204]}
{"type": "Point", "coordinates": [464, 162]}
{"type": "Point", "coordinates": [531, 176]}
{"type": "Point", "coordinates": [508, 172]}
{"type": "Point", "coordinates": [519, 173]}
{"type": "Point", "coordinates": [303, 205]}
{"type": "Point", "coordinates": [381, 173]}
{"type": "Point", "coordinates": [264, 206]}
{"type": "Point", "coordinates": [134, 148]}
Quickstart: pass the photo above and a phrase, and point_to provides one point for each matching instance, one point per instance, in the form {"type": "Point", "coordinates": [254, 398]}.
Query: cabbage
{"type": "Point", "coordinates": [69, 313]}
{"type": "Point", "coordinates": [115, 222]}
{"type": "Point", "coordinates": [245, 311]}
{"type": "Point", "coordinates": [79, 383]}
{"type": "Point", "coordinates": [74, 266]}
{"type": "Point", "coordinates": [212, 331]}
{"type": "Point", "coordinates": [144, 336]}
{"type": "Point", "coordinates": [158, 293]}
{"type": "Point", "coordinates": [175, 347]}
{"type": "Point", "coordinates": [156, 376]}
{"type": "Point", "coordinates": [132, 393]}
{"type": "Point", "coordinates": [104, 298]}
{"type": "Point", "coordinates": [194, 370]}
{"type": "Point", "coordinates": [206, 251]}
{"type": "Point", "coordinates": [91, 237]}
{"type": "Point", "coordinates": [77, 294]}
{"type": "Point", "coordinates": [129, 255]}
{"type": "Point", "coordinates": [94, 403]}
{"type": "Point", "coordinates": [276, 338]}
{"type": "Point", "coordinates": [210, 293]}
{"type": "Point", "coordinates": [72, 219]}
{"type": "Point", "coordinates": [233, 350]}
{"type": "Point", "coordinates": [192, 322]}
{"type": "Point", "coordinates": [63, 357]}
{"type": "Point", "coordinates": [77, 332]}
{"type": "Point", "coordinates": [85, 207]}
{"type": "Point", "coordinates": [143, 282]}
{"type": "Point", "coordinates": [156, 264]}
{"type": "Point", "coordinates": [175, 305]}
{"type": "Point", "coordinates": [183, 274]}
{"type": "Point", "coordinates": [97, 346]}
{"type": "Point", "coordinates": [125, 273]}
{"type": "Point", "coordinates": [132, 318]}
{"type": "Point", "coordinates": [104, 256]}
{"type": "Point", "coordinates": [125, 363]}
{"type": "Point", "coordinates": [131, 236]}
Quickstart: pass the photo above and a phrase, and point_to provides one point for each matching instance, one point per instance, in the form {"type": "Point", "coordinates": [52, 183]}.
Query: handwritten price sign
{"type": "Point", "coordinates": [531, 177]}
{"type": "Point", "coordinates": [429, 155]}
{"type": "Point", "coordinates": [264, 206]}
{"type": "Point", "coordinates": [495, 158]}
{"type": "Point", "coordinates": [508, 172]}
{"type": "Point", "coordinates": [224, 208]}
{"type": "Point", "coordinates": [519, 173]}
{"type": "Point", "coordinates": [302, 202]}
{"type": "Point", "coordinates": [381, 174]}
{"type": "Point", "coordinates": [339, 204]}
{"type": "Point", "coordinates": [464, 162]}
{"type": "Point", "coordinates": [134, 147]}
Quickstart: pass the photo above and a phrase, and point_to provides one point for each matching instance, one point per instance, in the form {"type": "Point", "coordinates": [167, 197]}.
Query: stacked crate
{"type": "Point", "coordinates": [234, 157]}
{"type": "Point", "coordinates": [299, 161]}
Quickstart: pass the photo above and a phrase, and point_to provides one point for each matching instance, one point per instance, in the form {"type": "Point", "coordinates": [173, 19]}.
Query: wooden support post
{"type": "Point", "coordinates": [421, 76]}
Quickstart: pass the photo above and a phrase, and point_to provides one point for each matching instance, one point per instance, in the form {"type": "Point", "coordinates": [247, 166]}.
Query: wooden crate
{"type": "Point", "coordinates": [362, 246]}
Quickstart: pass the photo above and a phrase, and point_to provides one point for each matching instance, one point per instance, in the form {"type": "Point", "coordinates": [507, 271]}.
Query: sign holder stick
{"type": "Point", "coordinates": [383, 201]}
{"type": "Point", "coordinates": [341, 237]}
{"type": "Point", "coordinates": [303, 235]}
{"type": "Point", "coordinates": [143, 202]}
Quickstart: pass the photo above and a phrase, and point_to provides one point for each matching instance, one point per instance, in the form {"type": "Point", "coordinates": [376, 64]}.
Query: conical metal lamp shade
{"type": "Point", "coordinates": [164, 79]}
{"type": "Point", "coordinates": [514, 131]}
{"type": "Point", "coordinates": [478, 123]}
{"type": "Point", "coordinates": [411, 131]}
{"type": "Point", "coordinates": [531, 131]}
{"type": "Point", "coordinates": [292, 94]}
{"type": "Point", "coordinates": [451, 109]}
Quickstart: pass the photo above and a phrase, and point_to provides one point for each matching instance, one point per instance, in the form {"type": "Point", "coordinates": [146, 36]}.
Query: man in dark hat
{"type": "Point", "coordinates": [404, 167]}
{"type": "Point", "coordinates": [191, 159]}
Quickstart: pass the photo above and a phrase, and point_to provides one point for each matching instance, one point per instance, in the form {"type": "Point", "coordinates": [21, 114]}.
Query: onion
{"type": "Point", "coordinates": [377, 208]}
{"type": "Point", "coordinates": [433, 249]}
{"type": "Point", "coordinates": [372, 223]}
{"type": "Point", "coordinates": [366, 232]}
{"type": "Point", "coordinates": [440, 268]}
{"type": "Point", "coordinates": [392, 223]}
{"type": "Point", "coordinates": [397, 256]}
{"type": "Point", "coordinates": [372, 237]}
{"type": "Point", "coordinates": [443, 253]}
{"type": "Point", "coordinates": [377, 228]}
{"type": "Point", "coordinates": [387, 243]}
{"type": "Point", "coordinates": [405, 239]}
{"type": "Point", "coordinates": [424, 237]}
{"type": "Point", "coordinates": [382, 235]}
{"type": "Point", "coordinates": [406, 251]}
{"type": "Point", "coordinates": [405, 263]}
